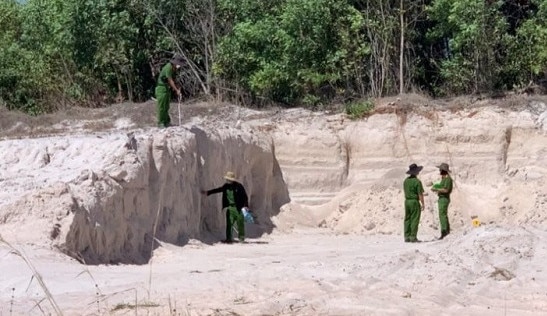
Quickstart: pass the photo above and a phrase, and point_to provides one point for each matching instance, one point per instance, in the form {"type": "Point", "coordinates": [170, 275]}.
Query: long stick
{"type": "Point", "coordinates": [180, 119]}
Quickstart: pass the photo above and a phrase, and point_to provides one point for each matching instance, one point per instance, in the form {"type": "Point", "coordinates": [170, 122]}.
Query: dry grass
{"type": "Point", "coordinates": [14, 124]}
{"type": "Point", "coordinates": [425, 106]}
{"type": "Point", "coordinates": [98, 293]}
{"type": "Point", "coordinates": [35, 275]}
{"type": "Point", "coordinates": [502, 274]}
{"type": "Point", "coordinates": [123, 306]}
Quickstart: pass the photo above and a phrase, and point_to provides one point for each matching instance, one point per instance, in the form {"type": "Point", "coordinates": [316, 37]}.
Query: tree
{"type": "Point", "coordinates": [10, 24]}
{"type": "Point", "coordinates": [60, 53]}
{"type": "Point", "coordinates": [188, 28]}
{"type": "Point", "coordinates": [295, 51]}
{"type": "Point", "coordinates": [381, 24]}
{"type": "Point", "coordinates": [528, 58]}
{"type": "Point", "coordinates": [411, 13]}
{"type": "Point", "coordinates": [31, 53]}
{"type": "Point", "coordinates": [474, 31]}
{"type": "Point", "coordinates": [105, 34]}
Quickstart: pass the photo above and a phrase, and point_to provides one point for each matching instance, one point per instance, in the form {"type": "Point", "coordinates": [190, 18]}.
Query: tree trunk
{"type": "Point", "coordinates": [119, 97]}
{"type": "Point", "coordinates": [401, 48]}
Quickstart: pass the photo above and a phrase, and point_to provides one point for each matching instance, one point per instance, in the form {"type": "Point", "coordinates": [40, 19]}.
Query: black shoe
{"type": "Point", "coordinates": [443, 234]}
{"type": "Point", "coordinates": [227, 241]}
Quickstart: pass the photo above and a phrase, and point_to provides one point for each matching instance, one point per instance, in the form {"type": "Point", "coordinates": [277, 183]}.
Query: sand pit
{"type": "Point", "coordinates": [108, 198]}
{"type": "Point", "coordinates": [487, 271]}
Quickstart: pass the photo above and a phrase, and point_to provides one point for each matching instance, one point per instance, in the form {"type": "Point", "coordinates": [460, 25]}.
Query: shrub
{"type": "Point", "coordinates": [358, 109]}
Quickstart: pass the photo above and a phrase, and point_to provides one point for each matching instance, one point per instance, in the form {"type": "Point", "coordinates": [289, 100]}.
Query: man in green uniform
{"type": "Point", "coordinates": [443, 190]}
{"type": "Point", "coordinates": [234, 198]}
{"type": "Point", "coordinates": [164, 87]}
{"type": "Point", "coordinates": [414, 202]}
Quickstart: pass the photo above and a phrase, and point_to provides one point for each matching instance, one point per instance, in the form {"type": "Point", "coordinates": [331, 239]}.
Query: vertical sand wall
{"type": "Point", "coordinates": [146, 188]}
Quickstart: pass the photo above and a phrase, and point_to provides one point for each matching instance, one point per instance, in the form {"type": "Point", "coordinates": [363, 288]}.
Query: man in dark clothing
{"type": "Point", "coordinates": [414, 203]}
{"type": "Point", "coordinates": [234, 198]}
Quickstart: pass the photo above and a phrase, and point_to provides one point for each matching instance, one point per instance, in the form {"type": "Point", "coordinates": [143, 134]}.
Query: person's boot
{"type": "Point", "coordinates": [443, 234]}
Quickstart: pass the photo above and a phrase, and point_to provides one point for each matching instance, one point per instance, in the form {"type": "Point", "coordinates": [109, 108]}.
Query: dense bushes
{"type": "Point", "coordinates": [58, 53]}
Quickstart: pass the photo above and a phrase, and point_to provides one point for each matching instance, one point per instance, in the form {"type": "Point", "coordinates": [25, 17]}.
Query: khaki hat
{"type": "Point", "coordinates": [444, 167]}
{"type": "Point", "coordinates": [414, 169]}
{"type": "Point", "coordinates": [230, 176]}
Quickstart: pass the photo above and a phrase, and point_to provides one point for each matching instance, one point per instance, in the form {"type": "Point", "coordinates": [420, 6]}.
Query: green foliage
{"type": "Point", "coordinates": [107, 50]}
{"type": "Point", "coordinates": [474, 30]}
{"type": "Point", "coordinates": [358, 109]}
{"type": "Point", "coordinates": [10, 24]}
{"type": "Point", "coordinates": [25, 78]}
{"type": "Point", "coordinates": [528, 53]}
{"type": "Point", "coordinates": [290, 50]}
{"type": "Point", "coordinates": [381, 20]}
{"type": "Point", "coordinates": [59, 53]}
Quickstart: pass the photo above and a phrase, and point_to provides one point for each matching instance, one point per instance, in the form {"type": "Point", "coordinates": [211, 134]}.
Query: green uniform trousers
{"type": "Point", "coordinates": [163, 97]}
{"type": "Point", "coordinates": [412, 219]}
{"type": "Point", "coordinates": [234, 216]}
{"type": "Point", "coordinates": [443, 214]}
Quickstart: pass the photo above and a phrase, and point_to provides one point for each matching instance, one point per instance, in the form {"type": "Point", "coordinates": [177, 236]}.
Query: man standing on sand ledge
{"type": "Point", "coordinates": [164, 87]}
{"type": "Point", "coordinates": [234, 198]}
{"type": "Point", "coordinates": [414, 195]}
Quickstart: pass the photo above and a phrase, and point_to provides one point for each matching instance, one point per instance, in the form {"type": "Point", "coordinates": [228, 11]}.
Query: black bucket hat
{"type": "Point", "coordinates": [444, 167]}
{"type": "Point", "coordinates": [414, 169]}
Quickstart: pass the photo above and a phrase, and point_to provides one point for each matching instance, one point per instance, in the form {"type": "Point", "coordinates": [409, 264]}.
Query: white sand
{"type": "Point", "coordinates": [336, 249]}
{"type": "Point", "coordinates": [496, 270]}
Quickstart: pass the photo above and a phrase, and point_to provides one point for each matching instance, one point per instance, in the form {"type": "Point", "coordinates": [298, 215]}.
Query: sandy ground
{"type": "Point", "coordinates": [484, 271]}
{"type": "Point", "coordinates": [356, 264]}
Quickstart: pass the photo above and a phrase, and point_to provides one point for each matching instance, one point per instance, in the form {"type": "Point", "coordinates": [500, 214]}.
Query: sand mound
{"type": "Point", "coordinates": [347, 176]}
{"type": "Point", "coordinates": [104, 198]}
{"type": "Point", "coordinates": [97, 196]}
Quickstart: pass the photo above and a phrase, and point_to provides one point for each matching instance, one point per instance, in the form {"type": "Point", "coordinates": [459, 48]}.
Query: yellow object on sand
{"type": "Point", "coordinates": [476, 222]}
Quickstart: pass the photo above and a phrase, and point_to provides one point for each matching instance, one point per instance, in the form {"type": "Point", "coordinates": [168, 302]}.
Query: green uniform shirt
{"type": "Point", "coordinates": [446, 183]}
{"type": "Point", "coordinates": [166, 73]}
{"type": "Point", "coordinates": [231, 198]}
{"type": "Point", "coordinates": [413, 188]}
